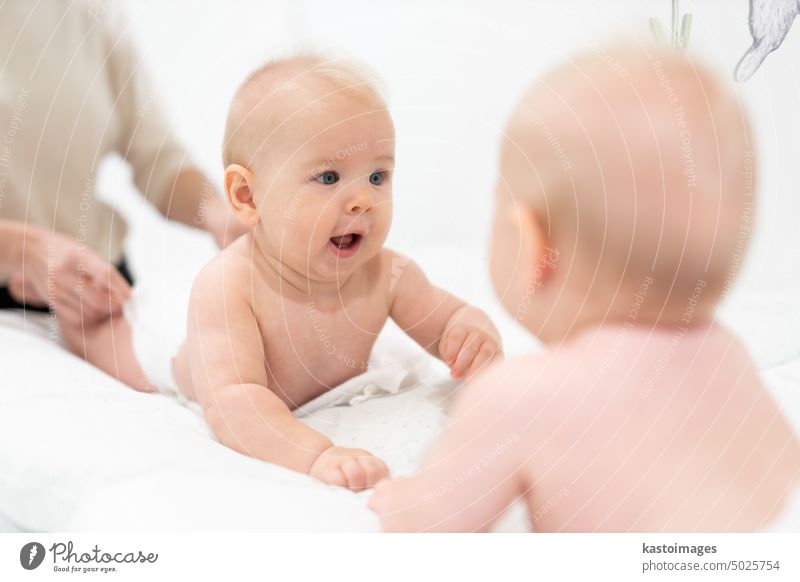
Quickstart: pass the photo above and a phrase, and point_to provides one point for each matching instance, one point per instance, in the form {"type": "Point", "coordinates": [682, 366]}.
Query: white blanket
{"type": "Point", "coordinates": [81, 452]}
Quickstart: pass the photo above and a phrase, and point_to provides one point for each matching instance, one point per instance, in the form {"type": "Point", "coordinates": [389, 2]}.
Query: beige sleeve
{"type": "Point", "coordinates": [146, 140]}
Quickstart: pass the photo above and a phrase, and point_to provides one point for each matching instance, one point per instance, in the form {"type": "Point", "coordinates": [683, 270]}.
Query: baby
{"type": "Point", "coordinates": [623, 208]}
{"type": "Point", "coordinates": [293, 308]}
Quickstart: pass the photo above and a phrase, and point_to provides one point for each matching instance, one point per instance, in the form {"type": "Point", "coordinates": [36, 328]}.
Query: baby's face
{"type": "Point", "coordinates": [325, 188]}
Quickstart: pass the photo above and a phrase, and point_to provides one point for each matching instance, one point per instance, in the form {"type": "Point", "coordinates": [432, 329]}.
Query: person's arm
{"type": "Point", "coordinates": [229, 376]}
{"type": "Point", "coordinates": [472, 474]}
{"type": "Point", "coordinates": [228, 368]}
{"type": "Point", "coordinates": [192, 199]}
{"type": "Point", "coordinates": [461, 335]}
{"type": "Point", "coordinates": [162, 169]}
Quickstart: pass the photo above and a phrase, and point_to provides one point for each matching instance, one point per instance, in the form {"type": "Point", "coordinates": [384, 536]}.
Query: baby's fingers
{"type": "Point", "coordinates": [375, 470]}
{"type": "Point", "coordinates": [484, 357]}
{"type": "Point", "coordinates": [466, 355]}
{"type": "Point", "coordinates": [451, 344]}
{"type": "Point", "coordinates": [354, 474]}
{"type": "Point", "coordinates": [333, 475]}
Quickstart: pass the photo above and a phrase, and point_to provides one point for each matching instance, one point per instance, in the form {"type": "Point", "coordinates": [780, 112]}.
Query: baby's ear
{"type": "Point", "coordinates": [240, 192]}
{"type": "Point", "coordinates": [536, 253]}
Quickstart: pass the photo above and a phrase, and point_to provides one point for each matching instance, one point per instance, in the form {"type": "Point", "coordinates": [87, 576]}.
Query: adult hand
{"type": "Point", "coordinates": [69, 277]}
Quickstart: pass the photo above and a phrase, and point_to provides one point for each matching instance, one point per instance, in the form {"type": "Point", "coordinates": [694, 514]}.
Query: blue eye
{"type": "Point", "coordinates": [377, 178]}
{"type": "Point", "coordinates": [327, 178]}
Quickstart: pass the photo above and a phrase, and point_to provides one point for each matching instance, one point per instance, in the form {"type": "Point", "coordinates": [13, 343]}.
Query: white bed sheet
{"type": "Point", "coordinates": [83, 453]}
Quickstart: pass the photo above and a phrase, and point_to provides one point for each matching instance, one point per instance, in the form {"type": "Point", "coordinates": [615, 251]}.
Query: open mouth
{"type": "Point", "coordinates": [345, 245]}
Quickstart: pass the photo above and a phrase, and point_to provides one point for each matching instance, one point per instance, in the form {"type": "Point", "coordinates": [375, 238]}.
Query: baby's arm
{"type": "Point", "coordinates": [472, 474]}
{"type": "Point", "coordinates": [227, 362]}
{"type": "Point", "coordinates": [461, 335]}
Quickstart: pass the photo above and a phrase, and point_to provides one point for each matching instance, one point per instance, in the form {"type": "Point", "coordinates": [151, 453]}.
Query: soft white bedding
{"type": "Point", "coordinates": [80, 452]}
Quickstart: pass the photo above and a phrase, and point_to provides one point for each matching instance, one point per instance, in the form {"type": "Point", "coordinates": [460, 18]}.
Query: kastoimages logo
{"type": "Point", "coordinates": [31, 555]}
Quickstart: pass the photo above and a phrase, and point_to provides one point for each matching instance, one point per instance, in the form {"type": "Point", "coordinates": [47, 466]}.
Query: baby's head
{"type": "Point", "coordinates": [309, 154]}
{"type": "Point", "coordinates": [624, 194]}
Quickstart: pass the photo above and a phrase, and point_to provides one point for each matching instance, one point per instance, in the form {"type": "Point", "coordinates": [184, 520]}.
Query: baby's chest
{"type": "Point", "coordinates": [327, 344]}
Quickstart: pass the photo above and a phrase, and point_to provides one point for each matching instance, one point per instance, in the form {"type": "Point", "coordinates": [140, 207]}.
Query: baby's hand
{"type": "Point", "coordinates": [467, 348]}
{"type": "Point", "coordinates": [355, 469]}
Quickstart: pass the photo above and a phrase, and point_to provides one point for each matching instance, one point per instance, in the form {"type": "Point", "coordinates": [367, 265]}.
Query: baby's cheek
{"type": "Point", "coordinates": [381, 226]}
{"type": "Point", "coordinates": [508, 273]}
{"type": "Point", "coordinates": [384, 211]}
{"type": "Point", "coordinates": [501, 264]}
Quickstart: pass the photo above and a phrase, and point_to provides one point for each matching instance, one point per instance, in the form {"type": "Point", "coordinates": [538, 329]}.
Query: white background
{"type": "Point", "coordinates": [454, 70]}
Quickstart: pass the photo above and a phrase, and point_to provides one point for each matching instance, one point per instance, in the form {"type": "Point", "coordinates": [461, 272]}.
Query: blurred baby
{"type": "Point", "coordinates": [293, 308]}
{"type": "Point", "coordinates": [623, 207]}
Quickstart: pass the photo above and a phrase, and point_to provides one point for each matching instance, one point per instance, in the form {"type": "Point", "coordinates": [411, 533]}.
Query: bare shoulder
{"type": "Point", "coordinates": [391, 262]}
{"type": "Point", "coordinates": [222, 281]}
{"type": "Point", "coordinates": [400, 270]}
{"type": "Point", "coordinates": [385, 269]}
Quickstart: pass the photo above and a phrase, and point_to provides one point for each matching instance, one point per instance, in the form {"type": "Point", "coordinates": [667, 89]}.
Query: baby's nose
{"type": "Point", "coordinates": [360, 201]}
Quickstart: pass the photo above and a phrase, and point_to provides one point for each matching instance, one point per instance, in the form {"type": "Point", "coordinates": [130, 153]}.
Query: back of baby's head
{"type": "Point", "coordinates": [281, 91]}
{"type": "Point", "coordinates": [638, 164]}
